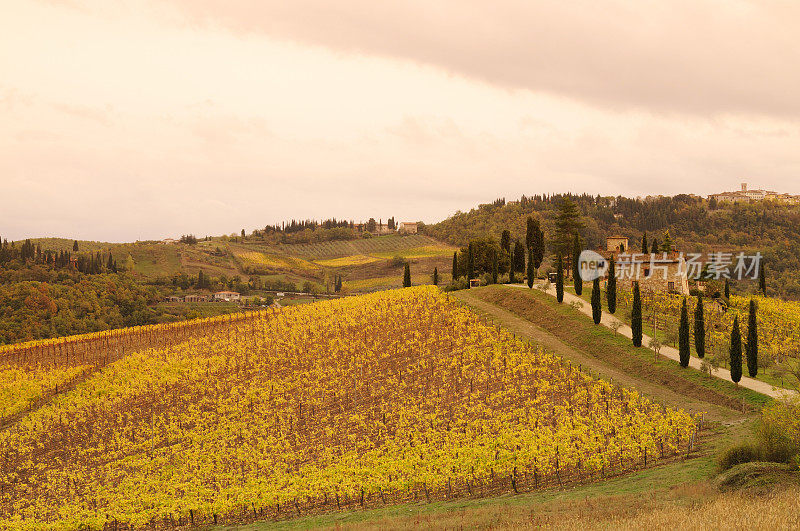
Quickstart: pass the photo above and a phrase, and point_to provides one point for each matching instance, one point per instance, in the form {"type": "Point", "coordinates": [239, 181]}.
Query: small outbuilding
{"type": "Point", "coordinates": [227, 296]}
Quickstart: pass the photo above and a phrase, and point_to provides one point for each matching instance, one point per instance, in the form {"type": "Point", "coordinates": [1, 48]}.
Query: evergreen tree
{"type": "Point", "coordinates": [611, 287]}
{"type": "Point", "coordinates": [470, 263]}
{"type": "Point", "coordinates": [110, 263]}
{"type": "Point", "coordinates": [751, 348]}
{"type": "Point", "coordinates": [667, 245]}
{"type": "Point", "coordinates": [577, 281]}
{"type": "Point", "coordinates": [655, 247]}
{"type": "Point", "coordinates": [568, 223]}
{"type": "Point", "coordinates": [530, 232]}
{"type": "Point", "coordinates": [511, 279]}
{"type": "Point", "coordinates": [530, 268]}
{"type": "Point", "coordinates": [519, 257]}
{"type": "Point", "coordinates": [494, 268]}
{"type": "Point", "coordinates": [505, 241]}
{"type": "Point", "coordinates": [538, 248]}
{"type": "Point", "coordinates": [636, 317]}
{"type": "Point", "coordinates": [75, 246]}
{"type": "Point", "coordinates": [644, 243]}
{"type": "Point", "coordinates": [407, 276]}
{"type": "Point", "coordinates": [435, 276]}
{"type": "Point", "coordinates": [455, 266]}
{"type": "Point", "coordinates": [727, 289]}
{"type": "Point", "coordinates": [762, 280]}
{"type": "Point", "coordinates": [243, 234]}
{"type": "Point", "coordinates": [683, 336]}
{"type": "Point", "coordinates": [736, 351]}
{"type": "Point", "coordinates": [597, 310]}
{"type": "Point", "coordinates": [559, 279]}
{"type": "Point", "coordinates": [699, 328]}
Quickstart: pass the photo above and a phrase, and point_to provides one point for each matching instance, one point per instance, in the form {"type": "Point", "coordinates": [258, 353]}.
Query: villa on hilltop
{"type": "Point", "coordinates": [746, 196]}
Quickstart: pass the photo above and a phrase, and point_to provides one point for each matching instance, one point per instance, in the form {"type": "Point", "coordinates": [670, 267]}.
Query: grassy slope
{"type": "Point", "coordinates": [602, 343]}
{"type": "Point", "coordinates": [675, 485]}
{"type": "Point", "coordinates": [365, 264]}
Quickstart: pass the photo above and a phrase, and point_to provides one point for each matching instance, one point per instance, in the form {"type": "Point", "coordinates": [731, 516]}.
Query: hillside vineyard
{"type": "Point", "coordinates": [357, 402]}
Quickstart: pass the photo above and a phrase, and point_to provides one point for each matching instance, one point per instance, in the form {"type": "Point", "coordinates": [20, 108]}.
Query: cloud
{"type": "Point", "coordinates": [702, 57]}
{"type": "Point", "coordinates": [124, 121]}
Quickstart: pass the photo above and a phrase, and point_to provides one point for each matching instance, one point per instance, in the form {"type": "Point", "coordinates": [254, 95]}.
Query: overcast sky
{"type": "Point", "coordinates": [152, 119]}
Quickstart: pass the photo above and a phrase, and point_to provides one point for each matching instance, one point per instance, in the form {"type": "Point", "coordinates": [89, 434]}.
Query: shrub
{"type": "Point", "coordinates": [456, 285]}
{"type": "Point", "coordinates": [779, 432]}
{"type": "Point", "coordinates": [738, 454]}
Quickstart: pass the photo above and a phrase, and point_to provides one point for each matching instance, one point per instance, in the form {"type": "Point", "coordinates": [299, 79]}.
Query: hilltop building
{"type": "Point", "coordinates": [745, 195]}
{"type": "Point", "coordinates": [408, 227]}
{"type": "Point", "coordinates": [380, 228]}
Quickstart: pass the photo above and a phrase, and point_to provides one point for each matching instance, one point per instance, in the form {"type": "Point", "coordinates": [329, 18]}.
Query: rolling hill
{"type": "Point", "coordinates": [359, 402]}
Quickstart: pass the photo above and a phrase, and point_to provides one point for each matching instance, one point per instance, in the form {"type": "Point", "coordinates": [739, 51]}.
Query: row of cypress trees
{"type": "Point", "coordinates": [684, 348]}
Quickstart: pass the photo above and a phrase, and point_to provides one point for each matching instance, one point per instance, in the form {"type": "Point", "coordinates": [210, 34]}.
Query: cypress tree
{"type": "Point", "coordinates": [530, 233]}
{"type": "Point", "coordinates": [644, 243]}
{"type": "Point", "coordinates": [538, 247]}
{"type": "Point", "coordinates": [752, 341]}
{"type": "Point", "coordinates": [762, 280]}
{"type": "Point", "coordinates": [699, 328]}
{"type": "Point", "coordinates": [611, 287]}
{"type": "Point", "coordinates": [435, 276]}
{"type": "Point", "coordinates": [683, 336]}
{"type": "Point", "coordinates": [519, 257]}
{"type": "Point", "coordinates": [577, 282]}
{"type": "Point", "coordinates": [736, 351]}
{"type": "Point", "coordinates": [470, 263]}
{"type": "Point", "coordinates": [455, 266]}
{"type": "Point", "coordinates": [655, 247]}
{"type": "Point", "coordinates": [530, 268]}
{"type": "Point", "coordinates": [511, 279]}
{"type": "Point", "coordinates": [597, 310]}
{"type": "Point", "coordinates": [505, 241]}
{"type": "Point", "coordinates": [75, 246]}
{"type": "Point", "coordinates": [636, 317]}
{"type": "Point", "coordinates": [407, 276]}
{"type": "Point", "coordinates": [494, 268]}
{"type": "Point", "coordinates": [727, 289]}
{"type": "Point", "coordinates": [667, 245]}
{"type": "Point", "coordinates": [559, 280]}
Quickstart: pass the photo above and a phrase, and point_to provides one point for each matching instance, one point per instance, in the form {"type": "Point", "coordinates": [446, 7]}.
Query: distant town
{"type": "Point", "coordinates": [747, 196]}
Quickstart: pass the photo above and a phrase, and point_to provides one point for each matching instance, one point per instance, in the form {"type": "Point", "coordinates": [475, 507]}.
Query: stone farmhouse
{"type": "Point", "coordinates": [408, 227]}
{"type": "Point", "coordinates": [654, 272]}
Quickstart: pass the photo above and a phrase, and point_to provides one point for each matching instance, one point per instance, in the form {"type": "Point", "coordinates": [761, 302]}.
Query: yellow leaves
{"type": "Point", "coordinates": [385, 391]}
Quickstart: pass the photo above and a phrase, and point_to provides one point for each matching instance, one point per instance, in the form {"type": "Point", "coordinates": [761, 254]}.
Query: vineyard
{"type": "Point", "coordinates": [380, 244]}
{"type": "Point", "coordinates": [358, 402]}
{"type": "Point", "coordinates": [778, 324]}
